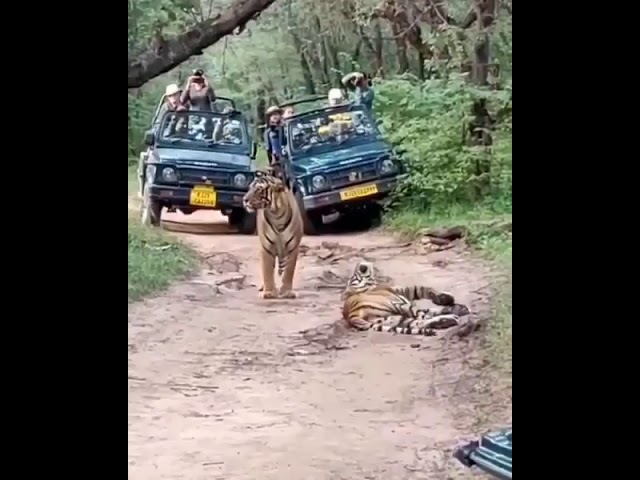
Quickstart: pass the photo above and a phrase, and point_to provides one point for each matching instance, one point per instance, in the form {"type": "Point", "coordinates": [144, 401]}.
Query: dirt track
{"type": "Point", "coordinates": [223, 386]}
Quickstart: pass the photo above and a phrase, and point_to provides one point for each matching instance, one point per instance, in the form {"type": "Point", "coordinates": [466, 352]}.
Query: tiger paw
{"type": "Point", "coordinates": [442, 321]}
{"type": "Point", "coordinates": [268, 294]}
{"type": "Point", "coordinates": [290, 294]}
{"type": "Point", "coordinates": [459, 310]}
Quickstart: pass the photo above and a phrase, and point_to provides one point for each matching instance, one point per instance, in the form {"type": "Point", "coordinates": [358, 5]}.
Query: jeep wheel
{"type": "Point", "coordinates": [374, 213]}
{"type": "Point", "coordinates": [151, 209]}
{"type": "Point", "coordinates": [363, 219]}
{"type": "Point", "coordinates": [244, 221]}
{"type": "Point", "coordinates": [311, 221]}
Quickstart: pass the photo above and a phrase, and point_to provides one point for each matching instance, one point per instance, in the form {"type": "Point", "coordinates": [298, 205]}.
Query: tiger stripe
{"type": "Point", "coordinates": [372, 306]}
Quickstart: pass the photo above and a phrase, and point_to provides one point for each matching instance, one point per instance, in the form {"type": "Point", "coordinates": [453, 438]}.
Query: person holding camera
{"type": "Point", "coordinates": [357, 82]}
{"type": "Point", "coordinates": [198, 94]}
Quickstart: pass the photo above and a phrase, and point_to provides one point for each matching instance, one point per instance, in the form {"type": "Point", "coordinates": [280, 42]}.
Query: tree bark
{"type": "Point", "coordinates": [401, 48]}
{"type": "Point", "coordinates": [164, 54]}
{"type": "Point", "coordinates": [309, 85]}
{"type": "Point", "coordinates": [379, 50]}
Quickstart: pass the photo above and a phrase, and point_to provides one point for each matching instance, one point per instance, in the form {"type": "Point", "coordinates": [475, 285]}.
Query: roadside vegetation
{"type": "Point", "coordinates": [154, 258]}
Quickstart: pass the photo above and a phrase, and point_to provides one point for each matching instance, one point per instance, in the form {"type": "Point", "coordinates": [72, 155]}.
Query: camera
{"type": "Point", "coordinates": [198, 72]}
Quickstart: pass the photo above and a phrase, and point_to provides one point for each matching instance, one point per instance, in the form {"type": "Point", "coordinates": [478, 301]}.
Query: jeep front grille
{"type": "Point", "coordinates": [345, 176]}
{"type": "Point", "coordinates": [195, 176]}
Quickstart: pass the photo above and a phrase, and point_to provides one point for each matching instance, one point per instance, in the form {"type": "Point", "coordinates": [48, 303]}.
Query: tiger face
{"type": "Point", "coordinates": [261, 192]}
{"type": "Point", "coordinates": [363, 277]}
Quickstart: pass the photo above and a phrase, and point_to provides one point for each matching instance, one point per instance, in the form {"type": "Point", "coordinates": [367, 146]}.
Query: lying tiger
{"type": "Point", "coordinates": [382, 308]}
{"type": "Point", "coordinates": [279, 226]}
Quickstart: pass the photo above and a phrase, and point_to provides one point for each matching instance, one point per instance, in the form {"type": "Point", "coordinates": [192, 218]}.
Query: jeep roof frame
{"type": "Point", "coordinates": [159, 106]}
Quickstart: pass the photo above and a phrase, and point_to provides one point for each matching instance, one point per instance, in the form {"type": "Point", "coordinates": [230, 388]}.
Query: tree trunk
{"type": "Point", "coordinates": [401, 49]}
{"type": "Point", "coordinates": [409, 29]}
{"type": "Point", "coordinates": [309, 86]}
{"type": "Point", "coordinates": [379, 53]}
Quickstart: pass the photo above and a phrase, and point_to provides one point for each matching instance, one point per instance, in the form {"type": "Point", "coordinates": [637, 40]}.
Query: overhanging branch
{"type": "Point", "coordinates": [167, 53]}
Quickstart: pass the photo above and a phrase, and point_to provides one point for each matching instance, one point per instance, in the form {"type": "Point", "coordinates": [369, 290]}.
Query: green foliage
{"type": "Point", "coordinates": [154, 260]}
{"type": "Point", "coordinates": [429, 123]}
{"type": "Point", "coordinates": [142, 106]}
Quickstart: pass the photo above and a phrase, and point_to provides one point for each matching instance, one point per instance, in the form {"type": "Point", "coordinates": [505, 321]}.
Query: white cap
{"type": "Point", "coordinates": [171, 89]}
{"type": "Point", "coordinates": [335, 96]}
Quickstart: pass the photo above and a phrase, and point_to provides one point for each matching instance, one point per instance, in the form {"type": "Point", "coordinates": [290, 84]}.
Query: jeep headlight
{"type": "Point", "coordinates": [240, 180]}
{"type": "Point", "coordinates": [318, 182]}
{"type": "Point", "coordinates": [169, 175]}
{"type": "Point", "coordinates": [387, 166]}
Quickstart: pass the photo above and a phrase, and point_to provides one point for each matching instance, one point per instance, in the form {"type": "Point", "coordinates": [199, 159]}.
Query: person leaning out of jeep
{"type": "Point", "coordinates": [363, 93]}
{"type": "Point", "coordinates": [274, 142]}
{"type": "Point", "coordinates": [198, 94]}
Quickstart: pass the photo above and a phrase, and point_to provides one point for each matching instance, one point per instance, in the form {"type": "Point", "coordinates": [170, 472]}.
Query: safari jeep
{"type": "Point", "coordinates": [338, 162]}
{"type": "Point", "coordinates": [493, 454]}
{"type": "Point", "coordinates": [199, 160]}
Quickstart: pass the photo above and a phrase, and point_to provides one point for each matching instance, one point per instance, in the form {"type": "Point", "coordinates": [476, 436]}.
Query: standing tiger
{"type": "Point", "coordinates": [279, 226]}
{"type": "Point", "coordinates": [383, 308]}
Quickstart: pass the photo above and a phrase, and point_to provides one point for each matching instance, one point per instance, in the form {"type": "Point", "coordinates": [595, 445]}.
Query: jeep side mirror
{"type": "Point", "coordinates": [149, 138]}
{"type": "Point", "coordinates": [254, 151]}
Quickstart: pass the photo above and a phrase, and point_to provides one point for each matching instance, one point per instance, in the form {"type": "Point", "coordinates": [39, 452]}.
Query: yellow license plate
{"type": "Point", "coordinates": [203, 196]}
{"type": "Point", "coordinates": [358, 192]}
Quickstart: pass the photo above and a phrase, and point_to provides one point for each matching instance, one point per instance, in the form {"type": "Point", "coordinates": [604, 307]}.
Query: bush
{"type": "Point", "coordinates": [154, 260]}
{"type": "Point", "coordinates": [141, 106]}
{"type": "Point", "coordinates": [430, 124]}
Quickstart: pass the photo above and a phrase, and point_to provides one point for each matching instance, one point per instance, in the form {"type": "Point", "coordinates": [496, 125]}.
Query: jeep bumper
{"type": "Point", "coordinates": [328, 199]}
{"type": "Point", "coordinates": [179, 196]}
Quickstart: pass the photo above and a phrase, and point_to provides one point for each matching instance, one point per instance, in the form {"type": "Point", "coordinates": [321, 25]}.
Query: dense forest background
{"type": "Point", "coordinates": [442, 73]}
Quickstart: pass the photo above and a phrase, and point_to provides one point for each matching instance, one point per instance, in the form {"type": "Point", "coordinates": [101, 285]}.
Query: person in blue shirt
{"type": "Point", "coordinates": [273, 140]}
{"type": "Point", "coordinates": [363, 93]}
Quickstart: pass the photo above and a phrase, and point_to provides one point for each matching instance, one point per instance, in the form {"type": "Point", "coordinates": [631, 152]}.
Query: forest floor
{"type": "Point", "coordinates": [224, 385]}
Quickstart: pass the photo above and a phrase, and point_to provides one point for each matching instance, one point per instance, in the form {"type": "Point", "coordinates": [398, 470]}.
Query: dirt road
{"type": "Point", "coordinates": [223, 386]}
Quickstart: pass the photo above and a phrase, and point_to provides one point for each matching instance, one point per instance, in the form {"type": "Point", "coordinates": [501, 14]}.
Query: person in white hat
{"type": "Point", "coordinates": [171, 103]}
{"type": "Point", "coordinates": [336, 97]}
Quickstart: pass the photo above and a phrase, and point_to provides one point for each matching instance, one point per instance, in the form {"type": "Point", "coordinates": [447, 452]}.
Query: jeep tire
{"type": "Point", "coordinates": [364, 219]}
{"type": "Point", "coordinates": [311, 221]}
{"type": "Point", "coordinates": [244, 221]}
{"type": "Point", "coordinates": [151, 209]}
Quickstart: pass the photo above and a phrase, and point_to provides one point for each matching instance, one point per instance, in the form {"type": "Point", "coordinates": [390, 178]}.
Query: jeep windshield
{"type": "Point", "coordinates": [204, 130]}
{"type": "Point", "coordinates": [330, 129]}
